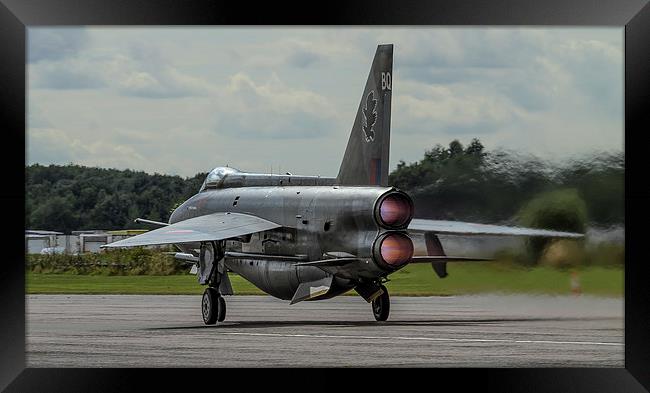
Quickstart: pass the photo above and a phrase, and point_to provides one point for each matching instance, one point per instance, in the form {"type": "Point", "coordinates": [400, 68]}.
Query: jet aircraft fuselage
{"type": "Point", "coordinates": [317, 222]}
{"type": "Point", "coordinates": [310, 237]}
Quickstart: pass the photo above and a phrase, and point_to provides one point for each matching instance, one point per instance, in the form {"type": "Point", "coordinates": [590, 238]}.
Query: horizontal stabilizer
{"type": "Point", "coordinates": [210, 227]}
{"type": "Point", "coordinates": [466, 228]}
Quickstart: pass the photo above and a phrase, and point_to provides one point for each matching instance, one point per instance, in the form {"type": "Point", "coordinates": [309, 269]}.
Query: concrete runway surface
{"type": "Point", "coordinates": [260, 331]}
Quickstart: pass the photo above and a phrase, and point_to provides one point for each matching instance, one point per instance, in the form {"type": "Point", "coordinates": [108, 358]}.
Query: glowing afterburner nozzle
{"type": "Point", "coordinates": [395, 210]}
{"type": "Point", "coordinates": [395, 249]}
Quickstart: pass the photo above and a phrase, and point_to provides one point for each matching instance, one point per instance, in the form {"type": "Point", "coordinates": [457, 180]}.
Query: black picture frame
{"type": "Point", "coordinates": [634, 16]}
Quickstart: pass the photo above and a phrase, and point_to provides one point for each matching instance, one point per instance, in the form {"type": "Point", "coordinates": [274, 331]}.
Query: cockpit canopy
{"type": "Point", "coordinates": [216, 176]}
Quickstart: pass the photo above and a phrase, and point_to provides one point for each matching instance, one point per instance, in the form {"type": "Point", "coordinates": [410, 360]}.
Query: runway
{"type": "Point", "coordinates": [260, 331]}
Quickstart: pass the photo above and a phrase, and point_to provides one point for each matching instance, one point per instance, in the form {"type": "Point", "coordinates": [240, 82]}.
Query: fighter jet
{"type": "Point", "coordinates": [310, 237]}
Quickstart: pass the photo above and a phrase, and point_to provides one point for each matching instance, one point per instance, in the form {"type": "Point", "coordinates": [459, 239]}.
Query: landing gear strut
{"type": "Point", "coordinates": [381, 305]}
{"type": "Point", "coordinates": [211, 272]}
{"type": "Point", "coordinates": [213, 307]}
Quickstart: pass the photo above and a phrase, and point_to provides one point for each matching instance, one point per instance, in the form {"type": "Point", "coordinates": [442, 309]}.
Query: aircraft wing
{"type": "Point", "coordinates": [466, 228]}
{"type": "Point", "coordinates": [216, 226]}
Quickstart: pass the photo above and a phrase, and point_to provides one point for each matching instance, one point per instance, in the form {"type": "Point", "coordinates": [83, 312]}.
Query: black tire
{"type": "Point", "coordinates": [210, 306]}
{"type": "Point", "coordinates": [222, 309]}
{"type": "Point", "coordinates": [381, 305]}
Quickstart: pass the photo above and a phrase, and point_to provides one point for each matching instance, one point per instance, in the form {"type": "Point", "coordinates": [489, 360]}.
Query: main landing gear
{"type": "Point", "coordinates": [213, 307]}
{"type": "Point", "coordinates": [212, 272]}
{"type": "Point", "coordinates": [381, 305]}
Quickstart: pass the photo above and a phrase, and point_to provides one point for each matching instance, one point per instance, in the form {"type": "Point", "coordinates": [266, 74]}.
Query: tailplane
{"type": "Point", "coordinates": [366, 157]}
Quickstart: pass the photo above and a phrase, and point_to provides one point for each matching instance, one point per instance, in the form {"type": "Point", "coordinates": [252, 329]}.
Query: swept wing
{"type": "Point", "coordinates": [216, 226]}
{"type": "Point", "coordinates": [466, 228]}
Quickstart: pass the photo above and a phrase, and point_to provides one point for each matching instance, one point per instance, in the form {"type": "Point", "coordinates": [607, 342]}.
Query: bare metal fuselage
{"type": "Point", "coordinates": [316, 221]}
{"type": "Point", "coordinates": [308, 237]}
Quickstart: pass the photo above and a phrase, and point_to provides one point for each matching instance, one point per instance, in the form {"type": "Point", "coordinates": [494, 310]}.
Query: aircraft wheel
{"type": "Point", "coordinates": [381, 305]}
{"type": "Point", "coordinates": [210, 306]}
{"type": "Point", "coordinates": [222, 309]}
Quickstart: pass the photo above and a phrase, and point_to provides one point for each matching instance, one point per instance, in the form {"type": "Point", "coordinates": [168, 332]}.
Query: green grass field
{"type": "Point", "coordinates": [414, 280]}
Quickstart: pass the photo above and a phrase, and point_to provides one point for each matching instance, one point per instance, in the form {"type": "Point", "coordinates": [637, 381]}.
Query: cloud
{"type": "Point", "coordinates": [297, 51]}
{"type": "Point", "coordinates": [52, 145]}
{"type": "Point", "coordinates": [146, 73]}
{"type": "Point", "coordinates": [466, 48]}
{"type": "Point", "coordinates": [301, 58]}
{"type": "Point", "coordinates": [595, 69]}
{"type": "Point", "coordinates": [48, 145]}
{"type": "Point", "coordinates": [138, 71]}
{"type": "Point", "coordinates": [188, 99]}
{"type": "Point", "coordinates": [70, 74]}
{"type": "Point", "coordinates": [55, 43]}
{"type": "Point", "coordinates": [166, 82]}
{"type": "Point", "coordinates": [451, 109]}
{"type": "Point", "coordinates": [532, 67]}
{"type": "Point", "coordinates": [272, 110]}
{"type": "Point", "coordinates": [35, 117]}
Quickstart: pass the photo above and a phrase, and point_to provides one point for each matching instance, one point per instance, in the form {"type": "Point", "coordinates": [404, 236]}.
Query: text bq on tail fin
{"type": "Point", "coordinates": [365, 162]}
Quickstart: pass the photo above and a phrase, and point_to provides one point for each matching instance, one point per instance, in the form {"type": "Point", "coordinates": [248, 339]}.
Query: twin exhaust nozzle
{"type": "Point", "coordinates": [394, 248]}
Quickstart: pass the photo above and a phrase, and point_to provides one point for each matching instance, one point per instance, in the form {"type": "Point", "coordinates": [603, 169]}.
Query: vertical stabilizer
{"type": "Point", "coordinates": [366, 157]}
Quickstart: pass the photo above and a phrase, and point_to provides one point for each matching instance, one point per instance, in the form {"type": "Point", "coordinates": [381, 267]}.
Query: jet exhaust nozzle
{"type": "Point", "coordinates": [394, 210]}
{"type": "Point", "coordinates": [393, 250]}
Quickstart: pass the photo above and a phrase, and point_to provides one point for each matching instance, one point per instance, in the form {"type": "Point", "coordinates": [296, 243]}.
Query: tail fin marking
{"type": "Point", "coordinates": [365, 161]}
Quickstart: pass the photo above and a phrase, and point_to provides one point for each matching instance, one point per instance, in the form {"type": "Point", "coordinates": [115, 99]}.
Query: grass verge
{"type": "Point", "coordinates": [413, 280]}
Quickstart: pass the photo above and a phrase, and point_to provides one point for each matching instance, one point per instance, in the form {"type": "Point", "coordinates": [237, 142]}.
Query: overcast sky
{"type": "Point", "coordinates": [184, 100]}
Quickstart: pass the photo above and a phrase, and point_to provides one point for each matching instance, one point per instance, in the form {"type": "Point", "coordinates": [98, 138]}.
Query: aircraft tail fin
{"type": "Point", "coordinates": [366, 156]}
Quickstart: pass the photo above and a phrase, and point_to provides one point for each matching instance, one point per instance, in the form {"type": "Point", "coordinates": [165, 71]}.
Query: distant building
{"type": "Point", "coordinates": [35, 241]}
{"type": "Point", "coordinates": [50, 242]}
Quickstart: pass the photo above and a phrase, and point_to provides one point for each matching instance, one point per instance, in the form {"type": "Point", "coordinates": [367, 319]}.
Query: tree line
{"type": "Point", "coordinates": [455, 183]}
{"type": "Point", "coordinates": [469, 183]}
{"type": "Point", "coordinates": [74, 197]}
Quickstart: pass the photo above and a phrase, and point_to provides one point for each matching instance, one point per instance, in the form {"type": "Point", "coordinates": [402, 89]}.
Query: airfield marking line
{"type": "Point", "coordinates": [429, 339]}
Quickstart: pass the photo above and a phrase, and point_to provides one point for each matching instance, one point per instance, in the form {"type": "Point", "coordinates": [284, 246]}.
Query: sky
{"type": "Point", "coordinates": [179, 100]}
